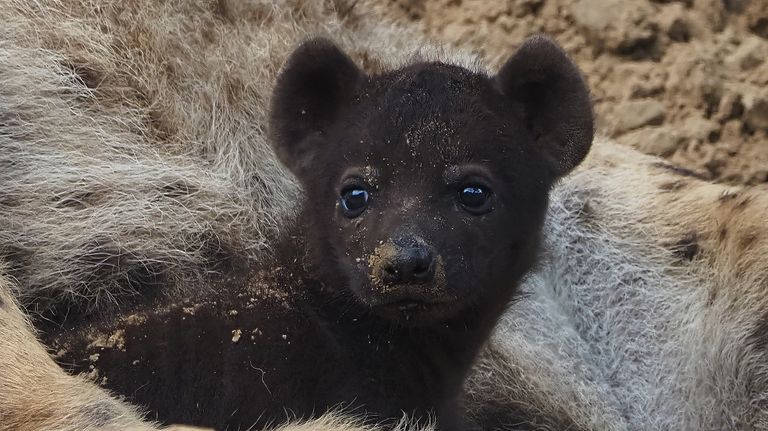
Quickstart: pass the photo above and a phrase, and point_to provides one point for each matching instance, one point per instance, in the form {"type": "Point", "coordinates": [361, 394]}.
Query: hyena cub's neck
{"type": "Point", "coordinates": [389, 366]}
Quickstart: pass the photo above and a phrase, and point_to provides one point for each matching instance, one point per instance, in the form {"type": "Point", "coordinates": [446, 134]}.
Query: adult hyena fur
{"type": "Point", "coordinates": [648, 311]}
{"type": "Point", "coordinates": [133, 160]}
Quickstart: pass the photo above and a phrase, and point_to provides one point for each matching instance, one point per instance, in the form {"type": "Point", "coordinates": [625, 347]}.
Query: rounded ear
{"type": "Point", "coordinates": [316, 82]}
{"type": "Point", "coordinates": [554, 98]}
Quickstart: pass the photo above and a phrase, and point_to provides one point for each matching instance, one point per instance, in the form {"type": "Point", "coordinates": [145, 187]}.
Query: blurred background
{"type": "Point", "coordinates": [686, 80]}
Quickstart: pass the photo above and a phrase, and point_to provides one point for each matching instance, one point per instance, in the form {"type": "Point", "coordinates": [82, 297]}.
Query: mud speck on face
{"type": "Point", "coordinates": [382, 255]}
{"type": "Point", "coordinates": [386, 252]}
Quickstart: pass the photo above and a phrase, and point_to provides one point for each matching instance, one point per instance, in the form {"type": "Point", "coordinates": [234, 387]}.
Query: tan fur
{"type": "Point", "coordinates": [341, 422]}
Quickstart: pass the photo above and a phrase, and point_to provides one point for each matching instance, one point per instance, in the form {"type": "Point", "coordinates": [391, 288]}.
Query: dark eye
{"type": "Point", "coordinates": [475, 199]}
{"type": "Point", "coordinates": [354, 200]}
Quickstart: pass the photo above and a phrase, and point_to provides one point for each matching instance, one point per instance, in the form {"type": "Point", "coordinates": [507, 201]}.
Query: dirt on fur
{"type": "Point", "coordinates": [686, 80]}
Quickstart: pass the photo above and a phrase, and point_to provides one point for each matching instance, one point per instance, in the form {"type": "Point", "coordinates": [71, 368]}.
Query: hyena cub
{"type": "Point", "coordinates": [426, 188]}
{"type": "Point", "coordinates": [425, 192]}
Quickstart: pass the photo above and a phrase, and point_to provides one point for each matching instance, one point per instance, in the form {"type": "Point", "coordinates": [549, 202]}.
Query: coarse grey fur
{"type": "Point", "coordinates": [636, 318]}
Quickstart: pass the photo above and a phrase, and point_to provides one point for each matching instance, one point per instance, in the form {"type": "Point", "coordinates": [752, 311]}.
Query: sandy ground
{"type": "Point", "coordinates": [686, 80]}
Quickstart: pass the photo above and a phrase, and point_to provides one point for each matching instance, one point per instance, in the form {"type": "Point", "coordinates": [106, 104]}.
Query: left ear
{"type": "Point", "coordinates": [554, 98]}
{"type": "Point", "coordinates": [316, 83]}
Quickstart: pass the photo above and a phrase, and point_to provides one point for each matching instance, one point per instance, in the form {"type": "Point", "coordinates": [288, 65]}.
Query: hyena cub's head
{"type": "Point", "coordinates": [427, 185]}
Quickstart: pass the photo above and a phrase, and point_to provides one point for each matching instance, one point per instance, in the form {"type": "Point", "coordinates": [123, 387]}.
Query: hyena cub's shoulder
{"type": "Point", "coordinates": [425, 190]}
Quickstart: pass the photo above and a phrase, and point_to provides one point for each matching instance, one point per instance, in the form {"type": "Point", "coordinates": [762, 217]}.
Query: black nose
{"type": "Point", "coordinates": [413, 263]}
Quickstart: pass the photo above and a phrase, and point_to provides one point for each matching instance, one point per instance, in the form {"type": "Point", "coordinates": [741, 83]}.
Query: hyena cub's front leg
{"type": "Point", "coordinates": [36, 394]}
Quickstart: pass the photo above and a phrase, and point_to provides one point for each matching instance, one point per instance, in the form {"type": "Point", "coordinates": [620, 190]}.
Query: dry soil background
{"type": "Point", "coordinates": [686, 80]}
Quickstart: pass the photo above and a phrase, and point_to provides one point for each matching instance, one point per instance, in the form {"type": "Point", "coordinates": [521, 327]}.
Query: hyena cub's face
{"type": "Point", "coordinates": [427, 186]}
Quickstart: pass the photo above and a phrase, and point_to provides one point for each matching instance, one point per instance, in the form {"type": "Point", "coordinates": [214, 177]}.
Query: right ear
{"type": "Point", "coordinates": [543, 80]}
{"type": "Point", "coordinates": [317, 81]}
